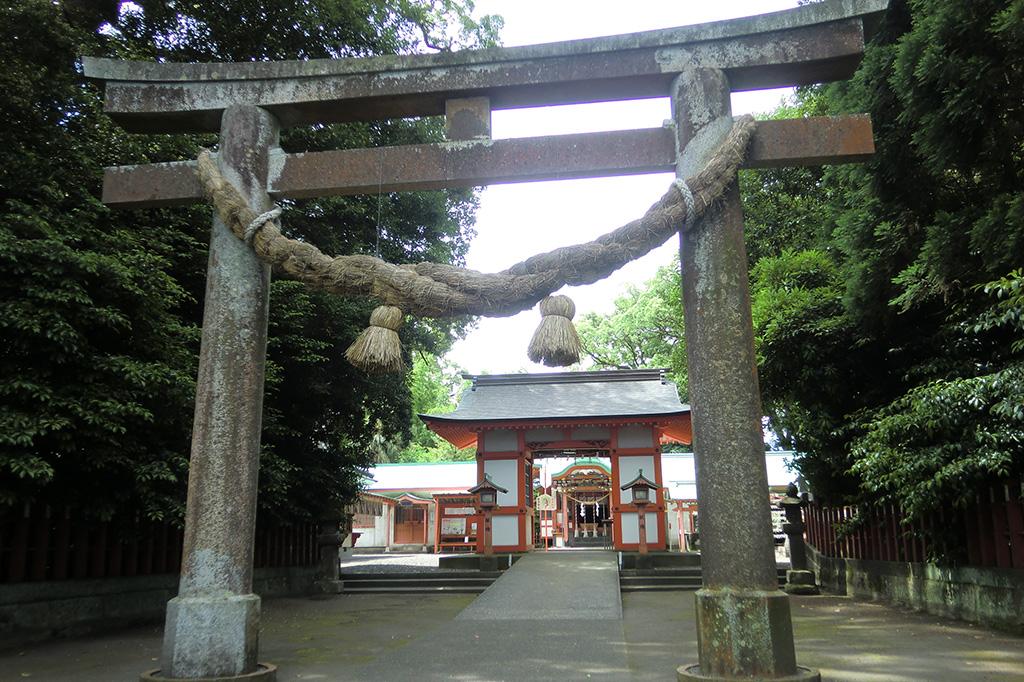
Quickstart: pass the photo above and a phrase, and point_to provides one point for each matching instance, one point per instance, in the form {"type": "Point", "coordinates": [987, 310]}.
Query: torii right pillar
{"type": "Point", "coordinates": [744, 628]}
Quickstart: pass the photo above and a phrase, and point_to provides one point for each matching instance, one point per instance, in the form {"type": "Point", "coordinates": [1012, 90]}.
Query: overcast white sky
{"type": "Point", "coordinates": [516, 221]}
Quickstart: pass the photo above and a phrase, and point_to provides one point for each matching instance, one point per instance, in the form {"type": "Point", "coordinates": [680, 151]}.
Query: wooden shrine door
{"type": "Point", "coordinates": [409, 524]}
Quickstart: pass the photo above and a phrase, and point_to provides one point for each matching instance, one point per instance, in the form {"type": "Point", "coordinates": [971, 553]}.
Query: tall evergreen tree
{"type": "Point", "coordinates": [101, 308]}
{"type": "Point", "coordinates": [862, 373]}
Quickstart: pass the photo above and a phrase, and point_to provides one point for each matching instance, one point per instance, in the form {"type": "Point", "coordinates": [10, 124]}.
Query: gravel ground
{"type": "Point", "coordinates": [392, 563]}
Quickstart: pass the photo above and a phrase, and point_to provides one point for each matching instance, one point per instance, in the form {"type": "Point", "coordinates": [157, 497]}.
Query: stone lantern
{"type": "Point", "coordinates": [799, 578]}
{"type": "Point", "coordinates": [486, 492]}
{"type": "Point", "coordinates": [641, 488]}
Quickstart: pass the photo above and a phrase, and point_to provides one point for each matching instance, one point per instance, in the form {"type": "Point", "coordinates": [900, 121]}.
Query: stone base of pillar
{"type": "Point", "coordinates": [687, 673]}
{"type": "Point", "coordinates": [800, 582]}
{"type": "Point", "coordinates": [744, 635]}
{"type": "Point", "coordinates": [211, 637]}
{"type": "Point", "coordinates": [265, 672]}
{"type": "Point", "coordinates": [322, 589]}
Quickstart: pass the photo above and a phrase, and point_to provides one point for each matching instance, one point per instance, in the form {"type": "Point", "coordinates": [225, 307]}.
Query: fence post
{"type": "Point", "coordinates": [986, 535]}
{"type": "Point", "coordinates": [1000, 526]}
{"type": "Point", "coordinates": [98, 558]}
{"type": "Point", "coordinates": [40, 545]}
{"type": "Point", "coordinates": [1015, 522]}
{"type": "Point", "coordinates": [62, 545]}
{"type": "Point", "coordinates": [19, 547]}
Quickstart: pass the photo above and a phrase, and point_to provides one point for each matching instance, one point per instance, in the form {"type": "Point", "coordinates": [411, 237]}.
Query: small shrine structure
{"type": "Point", "coordinates": [582, 496]}
{"type": "Point", "coordinates": [515, 420]}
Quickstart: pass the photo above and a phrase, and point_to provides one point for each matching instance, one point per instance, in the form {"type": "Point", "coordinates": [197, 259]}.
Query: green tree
{"type": "Point", "coordinates": [97, 367]}
{"type": "Point", "coordinates": [101, 308]}
{"type": "Point", "coordinates": [802, 339]}
{"type": "Point", "coordinates": [943, 440]}
{"type": "Point", "coordinates": [645, 330]}
{"type": "Point", "coordinates": [887, 377]}
{"type": "Point", "coordinates": [436, 385]}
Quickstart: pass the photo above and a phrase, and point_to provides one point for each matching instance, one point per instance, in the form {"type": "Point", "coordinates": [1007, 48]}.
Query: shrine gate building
{"type": "Point", "coordinates": [622, 417]}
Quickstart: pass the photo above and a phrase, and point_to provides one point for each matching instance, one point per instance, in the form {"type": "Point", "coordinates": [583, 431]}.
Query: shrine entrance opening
{"type": "Point", "coordinates": [583, 494]}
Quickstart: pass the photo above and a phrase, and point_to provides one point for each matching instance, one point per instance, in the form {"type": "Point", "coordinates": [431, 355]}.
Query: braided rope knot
{"type": "Point", "coordinates": [691, 204]}
{"type": "Point", "coordinates": [258, 222]}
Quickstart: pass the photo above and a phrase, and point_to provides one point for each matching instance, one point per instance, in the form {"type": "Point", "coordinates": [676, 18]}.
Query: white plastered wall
{"type": "Point", "coordinates": [501, 440]}
{"type": "Point", "coordinates": [636, 437]}
{"type": "Point", "coordinates": [377, 535]}
{"type": "Point", "coordinates": [631, 527]}
{"type": "Point", "coordinates": [505, 530]}
{"type": "Point", "coordinates": [629, 468]}
{"type": "Point", "coordinates": [505, 473]}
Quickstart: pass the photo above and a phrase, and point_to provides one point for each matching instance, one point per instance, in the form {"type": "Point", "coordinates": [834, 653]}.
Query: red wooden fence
{"type": "Point", "coordinates": [989, 533]}
{"type": "Point", "coordinates": [41, 544]}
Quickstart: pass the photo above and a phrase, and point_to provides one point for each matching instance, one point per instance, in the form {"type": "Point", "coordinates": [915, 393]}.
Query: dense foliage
{"type": "Point", "coordinates": [887, 296]}
{"type": "Point", "coordinates": [894, 360]}
{"type": "Point", "coordinates": [100, 309]}
{"type": "Point", "coordinates": [645, 330]}
{"type": "Point", "coordinates": [436, 385]}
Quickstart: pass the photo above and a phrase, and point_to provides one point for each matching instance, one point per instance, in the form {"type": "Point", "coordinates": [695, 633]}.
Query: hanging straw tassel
{"type": "Point", "coordinates": [555, 343]}
{"type": "Point", "coordinates": [378, 349]}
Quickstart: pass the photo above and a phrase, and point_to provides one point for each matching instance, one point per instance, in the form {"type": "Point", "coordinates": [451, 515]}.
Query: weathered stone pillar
{"type": "Point", "coordinates": [212, 626]}
{"type": "Point", "coordinates": [744, 627]}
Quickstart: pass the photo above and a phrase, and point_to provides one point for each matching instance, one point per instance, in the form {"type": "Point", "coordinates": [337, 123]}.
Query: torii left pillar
{"type": "Point", "coordinates": [212, 626]}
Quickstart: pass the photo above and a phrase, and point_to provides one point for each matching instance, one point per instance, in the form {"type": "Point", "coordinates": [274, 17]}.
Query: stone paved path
{"type": "Point", "coordinates": [545, 586]}
{"type": "Point", "coordinates": [552, 616]}
{"type": "Point", "coordinates": [394, 638]}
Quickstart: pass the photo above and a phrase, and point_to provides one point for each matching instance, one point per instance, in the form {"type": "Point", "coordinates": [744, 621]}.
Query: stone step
{"type": "Point", "coordinates": [421, 575]}
{"type": "Point", "coordinates": [420, 582]}
{"type": "Point", "coordinates": [416, 589]}
{"type": "Point", "coordinates": [651, 583]}
{"type": "Point", "coordinates": [590, 542]}
{"type": "Point", "coordinates": [667, 579]}
{"type": "Point", "coordinates": [658, 588]}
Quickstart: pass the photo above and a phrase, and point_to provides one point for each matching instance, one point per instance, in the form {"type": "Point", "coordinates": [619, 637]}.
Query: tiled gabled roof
{"type": "Point", "coordinates": [611, 393]}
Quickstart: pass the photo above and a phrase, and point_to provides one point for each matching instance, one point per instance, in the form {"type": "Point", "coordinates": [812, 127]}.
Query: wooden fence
{"type": "Point", "coordinates": [989, 533]}
{"type": "Point", "coordinates": [40, 544]}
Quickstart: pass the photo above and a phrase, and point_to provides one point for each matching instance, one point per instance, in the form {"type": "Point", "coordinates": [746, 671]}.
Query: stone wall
{"type": "Point", "coordinates": [993, 597]}
{"type": "Point", "coordinates": [34, 611]}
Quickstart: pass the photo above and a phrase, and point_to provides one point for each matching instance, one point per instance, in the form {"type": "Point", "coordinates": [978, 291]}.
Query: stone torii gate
{"type": "Point", "coordinates": [744, 626]}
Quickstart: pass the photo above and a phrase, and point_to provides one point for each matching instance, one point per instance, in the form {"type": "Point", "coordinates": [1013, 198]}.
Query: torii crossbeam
{"type": "Point", "coordinates": [744, 624]}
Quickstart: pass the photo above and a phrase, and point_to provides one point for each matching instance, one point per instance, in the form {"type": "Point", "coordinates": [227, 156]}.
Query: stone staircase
{"type": "Point", "coordinates": [665, 579]}
{"type": "Point", "coordinates": [423, 582]}
{"type": "Point", "coordinates": [590, 542]}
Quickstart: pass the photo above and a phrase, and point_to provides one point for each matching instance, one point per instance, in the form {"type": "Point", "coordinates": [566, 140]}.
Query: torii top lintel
{"type": "Point", "coordinates": [810, 44]}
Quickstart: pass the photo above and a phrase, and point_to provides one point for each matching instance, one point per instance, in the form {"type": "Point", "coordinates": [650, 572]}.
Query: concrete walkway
{"type": "Point", "coordinates": [552, 616]}
{"type": "Point", "coordinates": [553, 586]}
